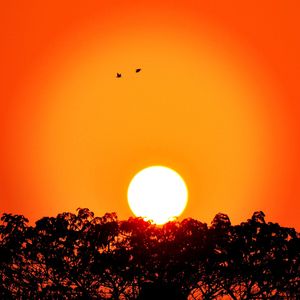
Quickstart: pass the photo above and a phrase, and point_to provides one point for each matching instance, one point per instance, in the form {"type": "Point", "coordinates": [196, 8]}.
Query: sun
{"type": "Point", "coordinates": [157, 193]}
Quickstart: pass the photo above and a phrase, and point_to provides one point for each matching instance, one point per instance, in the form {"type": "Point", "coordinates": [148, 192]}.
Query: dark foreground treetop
{"type": "Point", "coordinates": [80, 256]}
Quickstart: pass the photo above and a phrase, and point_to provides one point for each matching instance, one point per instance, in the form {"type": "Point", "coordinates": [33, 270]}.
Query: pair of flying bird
{"type": "Point", "coordinates": [136, 71]}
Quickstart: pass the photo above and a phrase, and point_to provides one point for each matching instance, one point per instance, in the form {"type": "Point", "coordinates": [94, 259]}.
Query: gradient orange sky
{"type": "Point", "coordinates": [217, 100]}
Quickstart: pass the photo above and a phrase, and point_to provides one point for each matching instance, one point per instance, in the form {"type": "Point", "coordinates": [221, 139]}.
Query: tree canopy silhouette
{"type": "Point", "coordinates": [81, 256]}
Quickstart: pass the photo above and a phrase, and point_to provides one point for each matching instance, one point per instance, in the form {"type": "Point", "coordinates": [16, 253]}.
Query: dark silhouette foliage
{"type": "Point", "coordinates": [81, 256]}
{"type": "Point", "coordinates": [160, 291]}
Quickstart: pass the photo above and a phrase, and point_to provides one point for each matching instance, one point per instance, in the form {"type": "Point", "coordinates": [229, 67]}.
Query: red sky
{"type": "Point", "coordinates": [218, 101]}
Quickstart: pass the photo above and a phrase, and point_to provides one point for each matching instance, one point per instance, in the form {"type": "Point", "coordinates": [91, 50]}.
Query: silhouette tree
{"type": "Point", "coordinates": [160, 291]}
{"type": "Point", "coordinates": [80, 256]}
{"type": "Point", "coordinates": [13, 230]}
{"type": "Point", "coordinates": [255, 260]}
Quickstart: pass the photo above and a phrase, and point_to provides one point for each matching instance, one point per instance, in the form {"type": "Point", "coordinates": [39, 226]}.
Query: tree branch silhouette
{"type": "Point", "coordinates": [82, 256]}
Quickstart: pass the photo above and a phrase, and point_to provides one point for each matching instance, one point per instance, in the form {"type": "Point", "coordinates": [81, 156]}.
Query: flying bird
{"type": "Point", "coordinates": [119, 75]}
{"type": "Point", "coordinates": [137, 70]}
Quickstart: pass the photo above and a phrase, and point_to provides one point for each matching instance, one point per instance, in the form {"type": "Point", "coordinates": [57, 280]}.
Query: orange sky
{"type": "Point", "coordinates": [217, 100]}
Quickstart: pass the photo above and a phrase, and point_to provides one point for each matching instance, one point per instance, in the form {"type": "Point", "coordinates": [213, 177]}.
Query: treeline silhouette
{"type": "Point", "coordinates": [81, 256]}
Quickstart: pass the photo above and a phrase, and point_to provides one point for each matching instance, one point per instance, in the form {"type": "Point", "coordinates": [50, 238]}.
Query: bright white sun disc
{"type": "Point", "coordinates": [157, 193]}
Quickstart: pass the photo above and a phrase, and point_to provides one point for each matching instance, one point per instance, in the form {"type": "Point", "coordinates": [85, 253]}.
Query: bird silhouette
{"type": "Point", "coordinates": [138, 70]}
{"type": "Point", "coordinates": [119, 75]}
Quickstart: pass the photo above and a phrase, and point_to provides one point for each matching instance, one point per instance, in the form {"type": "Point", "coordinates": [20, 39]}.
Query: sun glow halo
{"type": "Point", "coordinates": [158, 194]}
